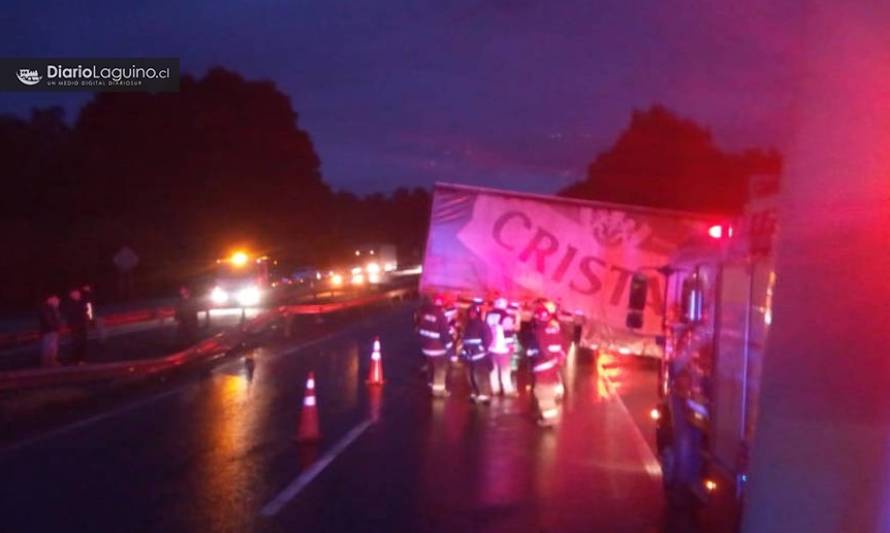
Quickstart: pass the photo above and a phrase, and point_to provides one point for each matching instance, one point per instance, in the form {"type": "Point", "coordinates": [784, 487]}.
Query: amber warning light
{"type": "Point", "coordinates": [239, 258]}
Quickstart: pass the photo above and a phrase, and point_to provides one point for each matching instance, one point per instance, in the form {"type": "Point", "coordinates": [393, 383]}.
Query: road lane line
{"type": "Point", "coordinates": [89, 421]}
{"type": "Point", "coordinates": [305, 478]}
{"type": "Point", "coordinates": [86, 422]}
{"type": "Point", "coordinates": [650, 461]}
{"type": "Point", "coordinates": [68, 428]}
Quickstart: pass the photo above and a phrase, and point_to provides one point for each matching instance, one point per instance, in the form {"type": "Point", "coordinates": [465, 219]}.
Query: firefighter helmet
{"type": "Point", "coordinates": [545, 311]}
{"type": "Point", "coordinates": [551, 307]}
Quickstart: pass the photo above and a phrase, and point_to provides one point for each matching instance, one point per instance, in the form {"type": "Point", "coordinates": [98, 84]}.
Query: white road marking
{"type": "Point", "coordinates": [650, 461]}
{"type": "Point", "coordinates": [305, 478]}
{"type": "Point", "coordinates": [16, 446]}
{"type": "Point", "coordinates": [90, 421]}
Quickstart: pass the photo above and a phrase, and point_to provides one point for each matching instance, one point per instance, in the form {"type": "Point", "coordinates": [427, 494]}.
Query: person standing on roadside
{"type": "Point", "coordinates": [476, 338]}
{"type": "Point", "coordinates": [50, 320]}
{"type": "Point", "coordinates": [94, 321]}
{"type": "Point", "coordinates": [548, 379]}
{"type": "Point", "coordinates": [77, 319]}
{"type": "Point", "coordinates": [186, 318]}
{"type": "Point", "coordinates": [500, 348]}
{"type": "Point", "coordinates": [436, 343]}
{"type": "Point", "coordinates": [86, 294]}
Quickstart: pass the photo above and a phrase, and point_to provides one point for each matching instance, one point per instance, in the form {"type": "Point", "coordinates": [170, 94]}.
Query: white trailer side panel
{"type": "Point", "coordinates": [581, 254]}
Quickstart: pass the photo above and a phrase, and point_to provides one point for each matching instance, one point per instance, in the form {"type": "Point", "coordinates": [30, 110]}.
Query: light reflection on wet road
{"type": "Point", "coordinates": [209, 458]}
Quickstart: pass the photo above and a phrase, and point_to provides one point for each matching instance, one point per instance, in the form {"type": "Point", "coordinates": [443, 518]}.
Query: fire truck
{"type": "Point", "coordinates": [718, 314]}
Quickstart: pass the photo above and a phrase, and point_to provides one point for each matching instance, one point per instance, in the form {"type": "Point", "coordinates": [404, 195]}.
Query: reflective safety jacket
{"type": "Point", "coordinates": [503, 331]}
{"type": "Point", "coordinates": [550, 344]}
{"type": "Point", "coordinates": [432, 327]}
{"type": "Point", "coordinates": [476, 338]}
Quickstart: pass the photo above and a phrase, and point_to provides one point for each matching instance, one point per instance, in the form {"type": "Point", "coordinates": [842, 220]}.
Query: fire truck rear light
{"type": "Point", "coordinates": [715, 231]}
{"type": "Point", "coordinates": [655, 414]}
{"type": "Point", "coordinates": [710, 485]}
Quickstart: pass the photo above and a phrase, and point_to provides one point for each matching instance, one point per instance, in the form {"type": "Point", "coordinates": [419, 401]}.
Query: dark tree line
{"type": "Point", "coordinates": [179, 177]}
{"type": "Point", "coordinates": [662, 160]}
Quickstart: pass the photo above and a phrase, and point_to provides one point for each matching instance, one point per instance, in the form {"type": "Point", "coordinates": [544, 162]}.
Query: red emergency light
{"type": "Point", "coordinates": [719, 231]}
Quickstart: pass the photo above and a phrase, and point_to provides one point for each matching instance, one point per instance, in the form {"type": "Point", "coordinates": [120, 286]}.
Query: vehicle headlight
{"type": "Point", "coordinates": [373, 277]}
{"type": "Point", "coordinates": [373, 268]}
{"type": "Point", "coordinates": [249, 296]}
{"type": "Point", "coordinates": [358, 279]}
{"type": "Point", "coordinates": [336, 280]}
{"type": "Point", "coordinates": [219, 296]}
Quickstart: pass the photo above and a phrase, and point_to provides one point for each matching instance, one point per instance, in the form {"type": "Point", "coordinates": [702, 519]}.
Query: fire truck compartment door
{"type": "Point", "coordinates": [731, 364]}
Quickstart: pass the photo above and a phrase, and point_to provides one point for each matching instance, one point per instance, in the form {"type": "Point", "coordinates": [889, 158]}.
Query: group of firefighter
{"type": "Point", "coordinates": [486, 339]}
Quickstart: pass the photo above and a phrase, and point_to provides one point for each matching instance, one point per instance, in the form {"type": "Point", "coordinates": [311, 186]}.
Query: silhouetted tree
{"type": "Point", "coordinates": [177, 176]}
{"type": "Point", "coordinates": [33, 155]}
{"type": "Point", "coordinates": [662, 160]}
{"type": "Point", "coordinates": [222, 160]}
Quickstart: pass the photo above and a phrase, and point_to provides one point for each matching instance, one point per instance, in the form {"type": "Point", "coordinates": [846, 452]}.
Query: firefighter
{"type": "Point", "coordinates": [554, 311]}
{"type": "Point", "coordinates": [436, 343]}
{"type": "Point", "coordinates": [500, 348]}
{"type": "Point", "coordinates": [476, 337]}
{"type": "Point", "coordinates": [529, 340]}
{"type": "Point", "coordinates": [548, 382]}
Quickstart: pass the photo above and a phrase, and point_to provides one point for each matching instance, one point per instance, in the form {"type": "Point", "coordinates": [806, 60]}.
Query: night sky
{"type": "Point", "coordinates": [506, 93]}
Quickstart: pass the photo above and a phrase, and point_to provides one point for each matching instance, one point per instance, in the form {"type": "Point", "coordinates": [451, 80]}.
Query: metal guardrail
{"type": "Point", "coordinates": [217, 346]}
{"type": "Point", "coordinates": [18, 338]}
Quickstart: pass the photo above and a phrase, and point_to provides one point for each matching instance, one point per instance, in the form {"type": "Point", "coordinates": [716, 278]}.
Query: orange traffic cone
{"type": "Point", "coordinates": [375, 400]}
{"type": "Point", "coordinates": [375, 373]}
{"type": "Point", "coordinates": [308, 429]}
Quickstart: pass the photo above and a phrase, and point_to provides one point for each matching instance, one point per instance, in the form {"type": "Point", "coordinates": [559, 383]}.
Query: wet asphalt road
{"type": "Point", "coordinates": [215, 452]}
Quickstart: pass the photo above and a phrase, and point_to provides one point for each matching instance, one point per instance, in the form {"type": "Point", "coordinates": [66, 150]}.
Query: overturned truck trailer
{"type": "Point", "coordinates": [584, 255]}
